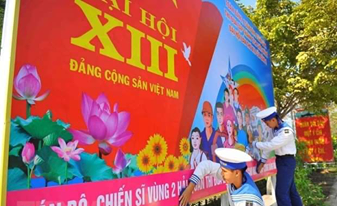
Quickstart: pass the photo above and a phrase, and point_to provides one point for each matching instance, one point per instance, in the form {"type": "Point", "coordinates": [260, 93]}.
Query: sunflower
{"type": "Point", "coordinates": [144, 161]}
{"type": "Point", "coordinates": [184, 146]}
{"type": "Point", "coordinates": [171, 164]}
{"type": "Point", "coordinates": [182, 163]}
{"type": "Point", "coordinates": [160, 169]}
{"type": "Point", "coordinates": [158, 148]}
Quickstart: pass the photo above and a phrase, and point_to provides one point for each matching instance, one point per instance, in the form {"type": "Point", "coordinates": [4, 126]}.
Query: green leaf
{"type": "Point", "coordinates": [16, 180]}
{"type": "Point", "coordinates": [52, 167]}
{"type": "Point", "coordinates": [133, 159]}
{"type": "Point", "coordinates": [132, 167]}
{"type": "Point", "coordinates": [61, 123]}
{"type": "Point", "coordinates": [50, 140]}
{"type": "Point", "coordinates": [18, 136]}
{"type": "Point", "coordinates": [37, 160]}
{"type": "Point", "coordinates": [16, 161]}
{"type": "Point", "coordinates": [40, 128]}
{"type": "Point", "coordinates": [67, 136]}
{"type": "Point", "coordinates": [302, 39]}
{"type": "Point", "coordinates": [49, 114]}
{"type": "Point", "coordinates": [24, 122]}
{"type": "Point", "coordinates": [45, 129]}
{"type": "Point", "coordinates": [90, 168]}
{"type": "Point", "coordinates": [15, 151]}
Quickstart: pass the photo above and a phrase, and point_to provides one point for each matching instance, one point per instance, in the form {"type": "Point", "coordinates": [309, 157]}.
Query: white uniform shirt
{"type": "Point", "coordinates": [211, 168]}
{"type": "Point", "coordinates": [283, 143]}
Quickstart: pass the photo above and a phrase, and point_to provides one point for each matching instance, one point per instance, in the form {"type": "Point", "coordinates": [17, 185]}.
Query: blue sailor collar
{"type": "Point", "coordinates": [282, 125]}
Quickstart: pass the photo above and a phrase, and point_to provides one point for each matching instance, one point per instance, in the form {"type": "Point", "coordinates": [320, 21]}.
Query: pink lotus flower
{"type": "Point", "coordinates": [28, 84]}
{"type": "Point", "coordinates": [28, 153]}
{"type": "Point", "coordinates": [68, 151]}
{"type": "Point", "coordinates": [120, 162]}
{"type": "Point", "coordinates": [106, 127]}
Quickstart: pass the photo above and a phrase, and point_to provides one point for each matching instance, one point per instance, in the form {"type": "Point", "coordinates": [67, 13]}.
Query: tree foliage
{"type": "Point", "coordinates": [303, 44]}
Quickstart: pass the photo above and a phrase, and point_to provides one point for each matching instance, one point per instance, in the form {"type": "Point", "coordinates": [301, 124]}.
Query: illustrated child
{"type": "Point", "coordinates": [242, 135]}
{"type": "Point", "coordinates": [236, 99]}
{"type": "Point", "coordinates": [221, 133]}
{"type": "Point", "coordinates": [207, 135]}
{"type": "Point", "coordinates": [231, 138]}
{"type": "Point", "coordinates": [197, 155]}
{"type": "Point", "coordinates": [227, 107]}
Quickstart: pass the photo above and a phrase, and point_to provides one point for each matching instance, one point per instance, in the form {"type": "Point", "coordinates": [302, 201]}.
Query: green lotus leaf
{"type": "Point", "coordinates": [16, 162]}
{"type": "Point", "coordinates": [49, 114]}
{"type": "Point", "coordinates": [40, 128]}
{"type": "Point", "coordinates": [133, 163]}
{"type": "Point", "coordinates": [15, 151]}
{"type": "Point", "coordinates": [52, 168]}
{"type": "Point", "coordinates": [132, 167]}
{"type": "Point", "coordinates": [45, 129]}
{"type": "Point", "coordinates": [37, 160]}
{"type": "Point", "coordinates": [90, 168]}
{"type": "Point", "coordinates": [18, 136]}
{"type": "Point", "coordinates": [16, 180]}
{"type": "Point", "coordinates": [24, 122]}
{"type": "Point", "coordinates": [67, 136]}
{"type": "Point", "coordinates": [63, 124]}
{"type": "Point", "coordinates": [52, 139]}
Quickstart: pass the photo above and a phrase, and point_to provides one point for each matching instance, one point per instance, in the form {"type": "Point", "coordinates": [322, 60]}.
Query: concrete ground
{"type": "Point", "coordinates": [332, 197]}
{"type": "Point", "coordinates": [327, 179]}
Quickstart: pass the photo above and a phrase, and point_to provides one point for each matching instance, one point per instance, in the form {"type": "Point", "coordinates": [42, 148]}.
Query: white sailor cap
{"type": "Point", "coordinates": [267, 114]}
{"type": "Point", "coordinates": [232, 158]}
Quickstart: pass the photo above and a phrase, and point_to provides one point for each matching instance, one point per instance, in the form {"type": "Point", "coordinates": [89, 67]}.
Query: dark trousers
{"type": "Point", "coordinates": [286, 192]}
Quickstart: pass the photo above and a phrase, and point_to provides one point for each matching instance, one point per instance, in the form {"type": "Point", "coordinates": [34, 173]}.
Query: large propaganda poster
{"type": "Point", "coordinates": [115, 101]}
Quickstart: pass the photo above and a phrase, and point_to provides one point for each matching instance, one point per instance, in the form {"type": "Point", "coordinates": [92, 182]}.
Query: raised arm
{"type": "Point", "coordinates": [204, 168]}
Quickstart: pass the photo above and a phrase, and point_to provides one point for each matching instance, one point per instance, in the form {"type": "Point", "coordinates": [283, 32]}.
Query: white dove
{"type": "Point", "coordinates": [186, 52]}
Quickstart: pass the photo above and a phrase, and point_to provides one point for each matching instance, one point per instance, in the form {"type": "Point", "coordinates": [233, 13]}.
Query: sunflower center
{"type": "Point", "coordinates": [171, 165]}
{"type": "Point", "coordinates": [157, 149]}
{"type": "Point", "coordinates": [146, 160]}
{"type": "Point", "coordinates": [185, 146]}
{"type": "Point", "coordinates": [181, 167]}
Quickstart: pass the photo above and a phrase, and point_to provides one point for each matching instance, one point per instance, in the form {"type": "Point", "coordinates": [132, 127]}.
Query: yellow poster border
{"type": "Point", "coordinates": [7, 63]}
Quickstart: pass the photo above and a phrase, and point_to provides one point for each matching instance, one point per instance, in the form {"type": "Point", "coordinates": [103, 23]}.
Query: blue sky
{"type": "Point", "coordinates": [248, 2]}
{"type": "Point", "coordinates": [253, 2]}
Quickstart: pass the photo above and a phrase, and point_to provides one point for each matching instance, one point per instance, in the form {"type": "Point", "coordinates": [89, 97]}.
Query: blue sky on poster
{"type": "Point", "coordinates": [230, 53]}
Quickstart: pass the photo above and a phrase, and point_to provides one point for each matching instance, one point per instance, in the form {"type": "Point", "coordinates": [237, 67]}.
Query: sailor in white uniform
{"type": "Point", "coordinates": [283, 143]}
{"type": "Point", "coordinates": [242, 190]}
